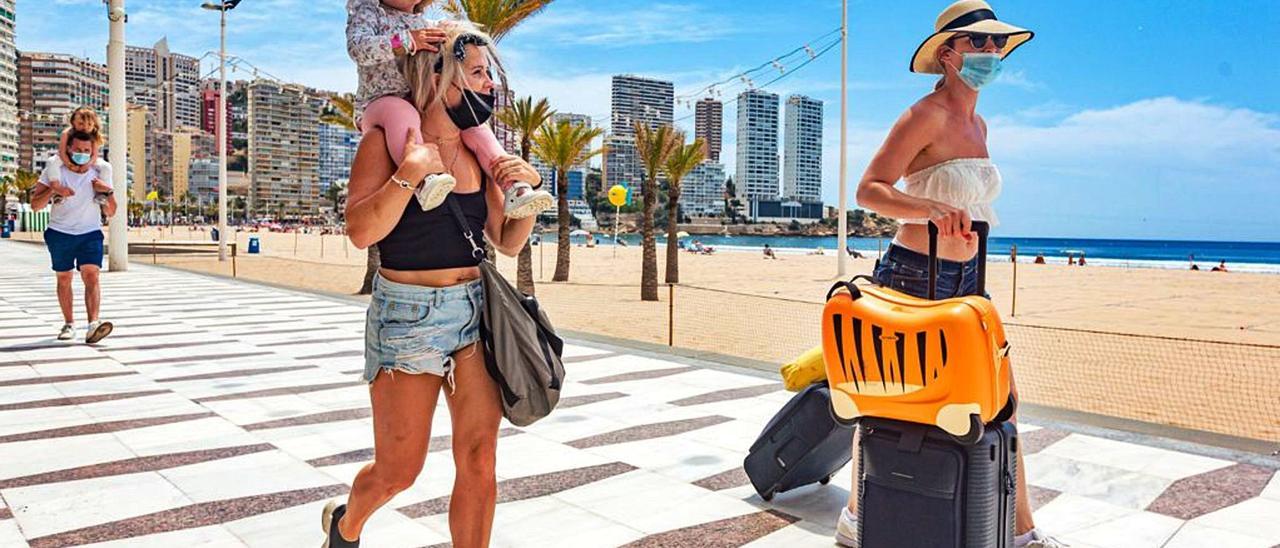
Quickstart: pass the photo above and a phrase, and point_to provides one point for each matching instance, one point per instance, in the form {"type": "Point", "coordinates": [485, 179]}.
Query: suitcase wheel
{"type": "Point", "coordinates": [767, 496]}
{"type": "Point", "coordinates": [825, 480]}
{"type": "Point", "coordinates": [1007, 411]}
{"type": "Point", "coordinates": [975, 431]}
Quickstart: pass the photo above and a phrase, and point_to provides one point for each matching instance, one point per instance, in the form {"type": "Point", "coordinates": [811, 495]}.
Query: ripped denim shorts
{"type": "Point", "coordinates": [415, 329]}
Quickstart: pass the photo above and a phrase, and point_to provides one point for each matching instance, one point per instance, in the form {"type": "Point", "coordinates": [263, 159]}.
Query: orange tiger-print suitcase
{"type": "Point", "coordinates": [938, 362]}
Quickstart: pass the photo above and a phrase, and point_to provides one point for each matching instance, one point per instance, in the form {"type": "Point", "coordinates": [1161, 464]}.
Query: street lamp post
{"type": "Point", "coordinates": [221, 136]}
{"type": "Point", "coordinates": [842, 238]}
{"type": "Point", "coordinates": [118, 237]}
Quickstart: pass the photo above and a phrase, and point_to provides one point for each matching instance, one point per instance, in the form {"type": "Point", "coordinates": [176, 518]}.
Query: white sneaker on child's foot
{"type": "Point", "coordinates": [847, 529]}
{"type": "Point", "coordinates": [523, 201]}
{"type": "Point", "coordinates": [67, 333]}
{"type": "Point", "coordinates": [434, 190]}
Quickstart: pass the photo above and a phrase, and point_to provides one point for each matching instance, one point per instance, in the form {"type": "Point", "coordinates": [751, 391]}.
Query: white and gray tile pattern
{"type": "Point", "coordinates": [222, 413]}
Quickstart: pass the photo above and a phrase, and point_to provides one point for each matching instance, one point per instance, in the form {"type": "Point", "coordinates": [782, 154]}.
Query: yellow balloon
{"type": "Point", "coordinates": [618, 195]}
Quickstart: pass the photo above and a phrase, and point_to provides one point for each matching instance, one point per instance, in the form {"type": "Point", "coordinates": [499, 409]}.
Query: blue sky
{"type": "Point", "coordinates": [1138, 119]}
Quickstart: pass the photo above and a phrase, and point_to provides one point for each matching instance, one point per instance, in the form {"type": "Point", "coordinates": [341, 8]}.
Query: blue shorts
{"type": "Point", "coordinates": [72, 252]}
{"type": "Point", "coordinates": [908, 271]}
{"type": "Point", "coordinates": [415, 329]}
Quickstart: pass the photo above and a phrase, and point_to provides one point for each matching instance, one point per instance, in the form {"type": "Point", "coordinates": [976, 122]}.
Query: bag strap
{"type": "Point", "coordinates": [476, 250]}
{"type": "Point", "coordinates": [849, 286]}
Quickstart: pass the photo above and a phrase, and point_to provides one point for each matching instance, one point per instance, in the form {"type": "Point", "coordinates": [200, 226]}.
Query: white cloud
{"type": "Point", "coordinates": [1018, 79]}
{"type": "Point", "coordinates": [615, 28]}
{"type": "Point", "coordinates": [1162, 168]}
{"type": "Point", "coordinates": [1156, 168]}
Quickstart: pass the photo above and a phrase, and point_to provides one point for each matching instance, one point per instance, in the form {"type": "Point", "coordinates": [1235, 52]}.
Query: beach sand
{"type": "Point", "coordinates": [1072, 334]}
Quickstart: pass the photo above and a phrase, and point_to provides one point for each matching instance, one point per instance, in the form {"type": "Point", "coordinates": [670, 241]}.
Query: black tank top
{"type": "Point", "coordinates": [431, 240]}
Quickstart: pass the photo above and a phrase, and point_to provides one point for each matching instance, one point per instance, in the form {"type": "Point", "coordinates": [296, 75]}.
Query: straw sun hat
{"type": "Point", "coordinates": [965, 16]}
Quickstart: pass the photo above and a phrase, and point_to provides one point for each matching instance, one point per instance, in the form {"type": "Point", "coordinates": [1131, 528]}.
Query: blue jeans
{"type": "Point", "coordinates": [415, 329]}
{"type": "Point", "coordinates": [908, 271]}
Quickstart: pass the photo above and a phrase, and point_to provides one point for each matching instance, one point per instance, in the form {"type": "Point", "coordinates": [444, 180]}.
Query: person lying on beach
{"type": "Point", "coordinates": [1040, 258]}
{"type": "Point", "coordinates": [1222, 267]}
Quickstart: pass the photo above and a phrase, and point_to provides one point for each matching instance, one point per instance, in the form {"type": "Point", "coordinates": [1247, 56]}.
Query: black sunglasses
{"type": "Point", "coordinates": [979, 41]}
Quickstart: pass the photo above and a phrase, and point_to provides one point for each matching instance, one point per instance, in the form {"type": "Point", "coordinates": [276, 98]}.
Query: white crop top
{"type": "Point", "coordinates": [970, 183]}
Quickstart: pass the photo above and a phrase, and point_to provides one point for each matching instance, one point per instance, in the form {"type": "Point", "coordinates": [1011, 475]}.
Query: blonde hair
{"type": "Point", "coordinates": [418, 69]}
{"type": "Point", "coordinates": [89, 116]}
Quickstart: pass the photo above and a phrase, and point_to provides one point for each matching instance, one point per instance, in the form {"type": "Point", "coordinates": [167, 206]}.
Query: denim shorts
{"type": "Point", "coordinates": [72, 251]}
{"type": "Point", "coordinates": [908, 271]}
{"type": "Point", "coordinates": [415, 329]}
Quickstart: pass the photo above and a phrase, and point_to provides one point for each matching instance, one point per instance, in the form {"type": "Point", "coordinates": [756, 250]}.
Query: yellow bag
{"type": "Point", "coordinates": [805, 370]}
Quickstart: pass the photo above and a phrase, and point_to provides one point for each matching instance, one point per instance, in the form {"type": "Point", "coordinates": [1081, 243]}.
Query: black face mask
{"type": "Point", "coordinates": [474, 110]}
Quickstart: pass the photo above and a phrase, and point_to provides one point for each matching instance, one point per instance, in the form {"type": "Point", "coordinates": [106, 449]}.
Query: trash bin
{"type": "Point", "coordinates": [4, 230]}
{"type": "Point", "coordinates": [213, 232]}
{"type": "Point", "coordinates": [253, 244]}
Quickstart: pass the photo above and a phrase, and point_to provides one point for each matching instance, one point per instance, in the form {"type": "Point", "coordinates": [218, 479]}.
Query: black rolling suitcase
{"type": "Point", "coordinates": [802, 444]}
{"type": "Point", "coordinates": [920, 488]}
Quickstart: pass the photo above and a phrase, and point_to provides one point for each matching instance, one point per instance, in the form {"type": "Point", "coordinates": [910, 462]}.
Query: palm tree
{"type": "Point", "coordinates": [340, 112]}
{"type": "Point", "coordinates": [496, 17]}
{"type": "Point", "coordinates": [563, 146]}
{"type": "Point", "coordinates": [334, 193]}
{"type": "Point", "coordinates": [7, 185]}
{"type": "Point", "coordinates": [24, 182]}
{"type": "Point", "coordinates": [653, 146]}
{"type": "Point", "coordinates": [524, 117]}
{"type": "Point", "coordinates": [682, 160]}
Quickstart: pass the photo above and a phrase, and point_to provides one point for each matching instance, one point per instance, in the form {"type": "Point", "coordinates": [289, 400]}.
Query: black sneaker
{"type": "Point", "coordinates": [329, 521]}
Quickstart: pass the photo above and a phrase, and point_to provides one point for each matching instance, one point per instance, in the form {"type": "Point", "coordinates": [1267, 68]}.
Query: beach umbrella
{"type": "Point", "coordinates": [579, 233]}
{"type": "Point", "coordinates": [682, 234]}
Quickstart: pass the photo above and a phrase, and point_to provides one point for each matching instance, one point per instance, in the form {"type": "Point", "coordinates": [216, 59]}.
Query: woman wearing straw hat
{"type": "Point", "coordinates": [940, 147]}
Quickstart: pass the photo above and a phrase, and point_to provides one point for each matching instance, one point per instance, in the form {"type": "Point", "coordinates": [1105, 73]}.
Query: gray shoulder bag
{"type": "Point", "coordinates": [521, 349]}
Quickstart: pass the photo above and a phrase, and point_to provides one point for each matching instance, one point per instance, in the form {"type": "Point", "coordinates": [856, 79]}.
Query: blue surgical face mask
{"type": "Point", "coordinates": [80, 158]}
{"type": "Point", "coordinates": [980, 69]}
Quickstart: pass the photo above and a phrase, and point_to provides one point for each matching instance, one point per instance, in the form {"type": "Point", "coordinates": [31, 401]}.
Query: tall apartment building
{"type": "Point", "coordinates": [574, 119]}
{"type": "Point", "coordinates": [634, 100]}
{"type": "Point", "coordinates": [209, 115]}
{"type": "Point", "coordinates": [637, 99]}
{"type": "Point", "coordinates": [203, 180]}
{"type": "Point", "coordinates": [171, 155]}
{"type": "Point", "coordinates": [503, 98]}
{"type": "Point", "coordinates": [167, 83]}
{"type": "Point", "coordinates": [802, 150]}
{"type": "Point", "coordinates": [140, 145]}
{"type": "Point", "coordinates": [8, 89]}
{"type": "Point", "coordinates": [50, 87]}
{"type": "Point", "coordinates": [708, 125]}
{"type": "Point", "coordinates": [756, 177]}
{"type": "Point", "coordinates": [284, 148]}
{"type": "Point", "coordinates": [702, 191]}
{"type": "Point", "coordinates": [337, 151]}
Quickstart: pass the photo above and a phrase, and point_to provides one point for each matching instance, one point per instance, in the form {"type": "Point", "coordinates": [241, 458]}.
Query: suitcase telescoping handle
{"type": "Point", "coordinates": [982, 228]}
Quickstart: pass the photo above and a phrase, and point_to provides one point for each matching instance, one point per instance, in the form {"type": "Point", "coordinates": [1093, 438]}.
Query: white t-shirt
{"type": "Point", "coordinates": [77, 214]}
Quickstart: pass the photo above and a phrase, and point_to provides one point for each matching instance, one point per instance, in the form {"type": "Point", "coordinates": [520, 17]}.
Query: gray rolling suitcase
{"type": "Point", "coordinates": [802, 444]}
{"type": "Point", "coordinates": [920, 488]}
